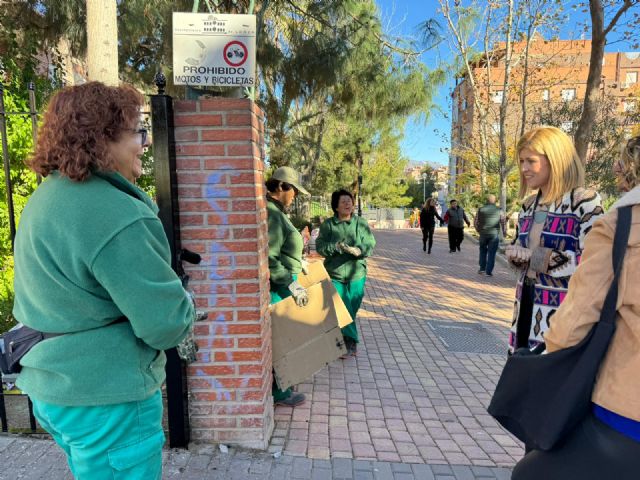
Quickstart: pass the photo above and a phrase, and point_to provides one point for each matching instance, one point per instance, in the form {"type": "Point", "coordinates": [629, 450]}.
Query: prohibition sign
{"type": "Point", "coordinates": [235, 53]}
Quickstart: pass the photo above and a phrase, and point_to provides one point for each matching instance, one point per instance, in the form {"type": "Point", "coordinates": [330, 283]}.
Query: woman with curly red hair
{"type": "Point", "coordinates": [92, 264]}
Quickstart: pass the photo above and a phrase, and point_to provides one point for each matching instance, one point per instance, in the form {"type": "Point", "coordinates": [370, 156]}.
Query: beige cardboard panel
{"type": "Point", "coordinates": [306, 338]}
{"type": "Point", "coordinates": [293, 326]}
{"type": "Point", "coordinates": [317, 273]}
{"type": "Point", "coordinates": [301, 363]}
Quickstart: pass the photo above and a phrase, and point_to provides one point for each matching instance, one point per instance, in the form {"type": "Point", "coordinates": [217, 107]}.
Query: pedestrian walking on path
{"type": "Point", "coordinates": [607, 443]}
{"type": "Point", "coordinates": [285, 256]}
{"type": "Point", "coordinates": [489, 222]}
{"type": "Point", "coordinates": [552, 227]}
{"type": "Point", "coordinates": [346, 241]}
{"type": "Point", "coordinates": [455, 219]}
{"type": "Point", "coordinates": [92, 264]}
{"type": "Point", "coordinates": [428, 216]}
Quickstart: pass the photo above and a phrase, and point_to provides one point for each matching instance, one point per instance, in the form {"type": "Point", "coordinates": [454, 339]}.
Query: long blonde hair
{"type": "Point", "coordinates": [566, 169]}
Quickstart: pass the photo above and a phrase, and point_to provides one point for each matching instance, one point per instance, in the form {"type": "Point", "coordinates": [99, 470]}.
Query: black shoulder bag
{"type": "Point", "coordinates": [17, 342]}
{"type": "Point", "coordinates": [542, 398]}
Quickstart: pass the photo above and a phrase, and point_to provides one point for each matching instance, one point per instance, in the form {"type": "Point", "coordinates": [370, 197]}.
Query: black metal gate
{"type": "Point", "coordinates": [19, 403]}
{"type": "Point", "coordinates": [164, 156]}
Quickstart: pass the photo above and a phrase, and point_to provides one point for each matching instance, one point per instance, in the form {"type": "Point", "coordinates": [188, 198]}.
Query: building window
{"type": "Point", "coordinates": [545, 95]}
{"type": "Point", "coordinates": [464, 104]}
{"type": "Point", "coordinates": [631, 78]}
{"type": "Point", "coordinates": [628, 105]}
{"type": "Point", "coordinates": [496, 97]}
{"type": "Point", "coordinates": [568, 94]}
{"type": "Point", "coordinates": [567, 126]}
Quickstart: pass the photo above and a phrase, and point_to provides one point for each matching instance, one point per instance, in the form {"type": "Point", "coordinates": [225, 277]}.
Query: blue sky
{"type": "Point", "coordinates": [421, 143]}
{"type": "Point", "coordinates": [428, 142]}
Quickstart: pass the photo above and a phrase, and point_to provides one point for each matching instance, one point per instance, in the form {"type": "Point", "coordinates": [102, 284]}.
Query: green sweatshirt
{"type": "Point", "coordinates": [87, 253]}
{"type": "Point", "coordinates": [355, 232]}
{"type": "Point", "coordinates": [285, 247]}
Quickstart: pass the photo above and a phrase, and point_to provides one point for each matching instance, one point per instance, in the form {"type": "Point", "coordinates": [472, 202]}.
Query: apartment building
{"type": "Point", "coordinates": [551, 71]}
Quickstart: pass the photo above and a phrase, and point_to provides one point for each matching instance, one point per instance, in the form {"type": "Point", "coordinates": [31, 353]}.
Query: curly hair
{"type": "Point", "coordinates": [630, 161]}
{"type": "Point", "coordinates": [79, 124]}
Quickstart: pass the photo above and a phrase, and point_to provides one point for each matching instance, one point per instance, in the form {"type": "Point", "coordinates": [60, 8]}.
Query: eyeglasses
{"type": "Point", "coordinates": [144, 133]}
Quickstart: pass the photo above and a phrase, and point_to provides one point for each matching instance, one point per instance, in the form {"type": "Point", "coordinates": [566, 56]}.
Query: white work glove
{"type": "Point", "coordinates": [299, 293]}
{"type": "Point", "coordinates": [355, 251]}
{"type": "Point", "coordinates": [305, 267]}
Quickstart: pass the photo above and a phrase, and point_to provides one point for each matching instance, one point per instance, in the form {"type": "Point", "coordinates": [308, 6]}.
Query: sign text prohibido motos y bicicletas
{"type": "Point", "coordinates": [214, 49]}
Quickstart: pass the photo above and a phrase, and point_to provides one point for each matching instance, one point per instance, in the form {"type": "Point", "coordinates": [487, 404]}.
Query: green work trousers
{"type": "Point", "coordinates": [351, 294]}
{"type": "Point", "coordinates": [120, 441]}
{"type": "Point", "coordinates": [277, 296]}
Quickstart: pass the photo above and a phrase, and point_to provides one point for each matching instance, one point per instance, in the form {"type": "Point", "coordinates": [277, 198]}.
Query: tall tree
{"type": "Point", "coordinates": [598, 41]}
{"type": "Point", "coordinates": [102, 41]}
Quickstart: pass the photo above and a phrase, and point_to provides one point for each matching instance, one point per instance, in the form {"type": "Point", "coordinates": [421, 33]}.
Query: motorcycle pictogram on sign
{"type": "Point", "coordinates": [235, 53]}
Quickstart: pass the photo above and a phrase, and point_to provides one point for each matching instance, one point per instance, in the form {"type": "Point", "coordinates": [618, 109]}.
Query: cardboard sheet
{"type": "Point", "coordinates": [305, 339]}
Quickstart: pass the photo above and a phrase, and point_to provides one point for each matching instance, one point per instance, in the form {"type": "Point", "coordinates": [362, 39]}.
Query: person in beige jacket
{"type": "Point", "coordinates": [607, 443]}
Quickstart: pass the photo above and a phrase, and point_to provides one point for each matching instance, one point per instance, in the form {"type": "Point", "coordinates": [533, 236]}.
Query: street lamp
{"type": "Point", "coordinates": [424, 187]}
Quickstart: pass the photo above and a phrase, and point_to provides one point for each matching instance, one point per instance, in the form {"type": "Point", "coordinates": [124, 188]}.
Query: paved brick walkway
{"type": "Point", "coordinates": [406, 397]}
{"type": "Point", "coordinates": [411, 405]}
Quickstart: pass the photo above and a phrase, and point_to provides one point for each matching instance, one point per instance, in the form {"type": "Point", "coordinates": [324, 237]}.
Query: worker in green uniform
{"type": "Point", "coordinates": [285, 255]}
{"type": "Point", "coordinates": [346, 241]}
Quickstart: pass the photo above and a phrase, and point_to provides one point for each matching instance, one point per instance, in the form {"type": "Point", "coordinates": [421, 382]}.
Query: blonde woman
{"type": "Point", "coordinates": [607, 443]}
{"type": "Point", "coordinates": [552, 225]}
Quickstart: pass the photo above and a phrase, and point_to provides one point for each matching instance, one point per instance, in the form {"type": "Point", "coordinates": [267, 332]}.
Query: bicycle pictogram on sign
{"type": "Point", "coordinates": [235, 53]}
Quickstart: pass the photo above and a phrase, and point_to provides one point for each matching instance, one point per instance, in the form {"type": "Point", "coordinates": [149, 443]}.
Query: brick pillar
{"type": "Point", "coordinates": [220, 166]}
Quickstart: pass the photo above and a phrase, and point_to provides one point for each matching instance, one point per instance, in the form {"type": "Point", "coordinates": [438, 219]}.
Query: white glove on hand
{"type": "Point", "coordinates": [299, 293]}
{"type": "Point", "coordinates": [355, 251]}
{"type": "Point", "coordinates": [305, 267]}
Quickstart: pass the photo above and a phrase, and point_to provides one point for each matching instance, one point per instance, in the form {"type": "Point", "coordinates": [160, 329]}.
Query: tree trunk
{"type": "Point", "coordinates": [598, 39]}
{"type": "Point", "coordinates": [102, 41]}
{"type": "Point", "coordinates": [503, 110]}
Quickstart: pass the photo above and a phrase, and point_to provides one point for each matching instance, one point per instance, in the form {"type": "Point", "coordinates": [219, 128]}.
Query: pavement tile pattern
{"type": "Point", "coordinates": [405, 397]}
{"type": "Point", "coordinates": [408, 406]}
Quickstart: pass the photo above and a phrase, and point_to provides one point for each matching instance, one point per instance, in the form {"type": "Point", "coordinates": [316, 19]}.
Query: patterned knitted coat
{"type": "Point", "coordinates": [556, 256]}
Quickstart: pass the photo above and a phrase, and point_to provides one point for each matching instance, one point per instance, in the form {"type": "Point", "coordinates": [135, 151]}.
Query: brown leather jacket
{"type": "Point", "coordinates": [618, 384]}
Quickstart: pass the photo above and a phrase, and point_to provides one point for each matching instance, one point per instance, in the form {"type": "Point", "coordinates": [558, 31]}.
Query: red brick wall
{"type": "Point", "coordinates": [220, 165]}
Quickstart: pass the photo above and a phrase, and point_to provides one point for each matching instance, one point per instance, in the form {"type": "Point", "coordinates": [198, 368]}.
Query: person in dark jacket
{"type": "Point", "coordinates": [455, 218]}
{"type": "Point", "coordinates": [346, 241]}
{"type": "Point", "coordinates": [488, 223]}
{"type": "Point", "coordinates": [428, 216]}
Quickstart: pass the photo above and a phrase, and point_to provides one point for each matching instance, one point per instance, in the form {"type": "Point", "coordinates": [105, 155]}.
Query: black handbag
{"type": "Point", "coordinates": [541, 398]}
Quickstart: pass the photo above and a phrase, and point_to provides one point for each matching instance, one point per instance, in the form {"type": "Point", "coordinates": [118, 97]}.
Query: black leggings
{"type": "Point", "coordinates": [593, 451]}
{"type": "Point", "coordinates": [525, 315]}
{"type": "Point", "coordinates": [427, 235]}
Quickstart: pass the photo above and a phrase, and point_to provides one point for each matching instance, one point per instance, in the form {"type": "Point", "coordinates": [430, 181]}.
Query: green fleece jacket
{"type": "Point", "coordinates": [285, 247]}
{"type": "Point", "coordinates": [87, 253]}
{"type": "Point", "coordinates": [355, 232]}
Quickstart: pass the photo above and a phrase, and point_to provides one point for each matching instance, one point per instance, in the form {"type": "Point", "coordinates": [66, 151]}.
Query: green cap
{"type": "Point", "coordinates": [290, 176]}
